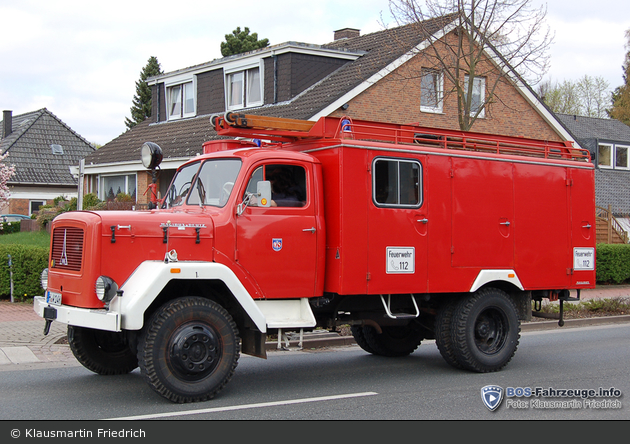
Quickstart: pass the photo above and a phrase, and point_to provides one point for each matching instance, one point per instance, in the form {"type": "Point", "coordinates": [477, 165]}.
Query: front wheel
{"type": "Point", "coordinates": [486, 331]}
{"type": "Point", "coordinates": [103, 352]}
{"type": "Point", "coordinates": [189, 349]}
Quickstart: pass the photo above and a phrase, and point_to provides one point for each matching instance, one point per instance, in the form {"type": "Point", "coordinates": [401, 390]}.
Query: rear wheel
{"type": "Point", "coordinates": [394, 341]}
{"type": "Point", "coordinates": [485, 331]}
{"type": "Point", "coordinates": [103, 352]}
{"type": "Point", "coordinates": [359, 337]}
{"type": "Point", "coordinates": [189, 349]}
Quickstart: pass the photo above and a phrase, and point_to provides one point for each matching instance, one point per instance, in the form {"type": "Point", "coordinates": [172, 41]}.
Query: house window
{"type": "Point", "coordinates": [112, 186]}
{"type": "Point", "coordinates": [244, 89]}
{"type": "Point", "coordinates": [610, 155]}
{"type": "Point", "coordinates": [34, 205]}
{"type": "Point", "coordinates": [605, 155]}
{"type": "Point", "coordinates": [180, 100]}
{"type": "Point", "coordinates": [621, 157]}
{"type": "Point", "coordinates": [397, 183]}
{"type": "Point", "coordinates": [431, 91]}
{"type": "Point", "coordinates": [478, 95]}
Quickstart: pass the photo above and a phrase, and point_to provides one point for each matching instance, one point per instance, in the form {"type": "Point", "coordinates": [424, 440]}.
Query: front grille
{"type": "Point", "coordinates": [67, 248]}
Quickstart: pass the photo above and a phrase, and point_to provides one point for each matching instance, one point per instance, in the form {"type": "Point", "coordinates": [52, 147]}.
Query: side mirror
{"type": "Point", "coordinates": [262, 198]}
{"type": "Point", "coordinates": [263, 189]}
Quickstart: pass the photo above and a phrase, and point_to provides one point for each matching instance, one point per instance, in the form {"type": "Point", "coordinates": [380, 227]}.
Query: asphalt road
{"type": "Point", "coordinates": [343, 383]}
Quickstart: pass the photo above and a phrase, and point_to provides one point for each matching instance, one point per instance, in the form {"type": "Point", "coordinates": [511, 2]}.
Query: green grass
{"type": "Point", "coordinates": [35, 238]}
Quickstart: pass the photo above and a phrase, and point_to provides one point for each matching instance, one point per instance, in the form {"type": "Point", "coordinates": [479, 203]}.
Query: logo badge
{"type": "Point", "coordinates": [492, 395]}
{"type": "Point", "coordinates": [276, 244]}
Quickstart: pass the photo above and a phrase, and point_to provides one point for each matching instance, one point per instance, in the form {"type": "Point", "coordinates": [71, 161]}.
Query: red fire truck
{"type": "Point", "coordinates": [402, 232]}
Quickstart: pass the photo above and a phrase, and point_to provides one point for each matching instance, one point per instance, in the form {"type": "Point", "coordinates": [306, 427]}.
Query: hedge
{"type": "Point", "coordinates": [28, 263]}
{"type": "Point", "coordinates": [613, 263]}
{"type": "Point", "coordinates": [613, 267]}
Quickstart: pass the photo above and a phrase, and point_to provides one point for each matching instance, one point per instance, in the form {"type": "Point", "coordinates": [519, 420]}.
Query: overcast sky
{"type": "Point", "coordinates": [81, 59]}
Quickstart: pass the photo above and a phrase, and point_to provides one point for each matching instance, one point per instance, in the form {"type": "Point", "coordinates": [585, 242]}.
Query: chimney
{"type": "Point", "coordinates": [347, 33]}
{"type": "Point", "coordinates": [7, 123]}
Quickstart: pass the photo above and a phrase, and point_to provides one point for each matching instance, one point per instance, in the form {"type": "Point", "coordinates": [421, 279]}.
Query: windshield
{"type": "Point", "coordinates": [209, 185]}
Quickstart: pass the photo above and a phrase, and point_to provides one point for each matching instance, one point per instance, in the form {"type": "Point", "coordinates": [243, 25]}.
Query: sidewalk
{"type": "Point", "coordinates": [22, 339]}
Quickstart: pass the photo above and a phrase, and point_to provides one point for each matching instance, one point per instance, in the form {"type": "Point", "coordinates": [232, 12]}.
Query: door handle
{"type": "Point", "coordinates": [586, 226]}
{"type": "Point", "coordinates": [507, 224]}
{"type": "Point", "coordinates": [424, 221]}
{"type": "Point", "coordinates": [312, 229]}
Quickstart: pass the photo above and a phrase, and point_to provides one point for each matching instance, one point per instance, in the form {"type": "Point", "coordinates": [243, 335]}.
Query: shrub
{"type": "Point", "coordinates": [90, 201]}
{"type": "Point", "coordinates": [28, 264]}
{"type": "Point", "coordinates": [61, 205]}
{"type": "Point", "coordinates": [613, 263]}
{"type": "Point", "coordinates": [9, 227]}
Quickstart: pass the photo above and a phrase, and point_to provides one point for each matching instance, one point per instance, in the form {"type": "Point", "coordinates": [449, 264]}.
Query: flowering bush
{"type": "Point", "coordinates": [6, 172]}
{"type": "Point", "coordinates": [9, 227]}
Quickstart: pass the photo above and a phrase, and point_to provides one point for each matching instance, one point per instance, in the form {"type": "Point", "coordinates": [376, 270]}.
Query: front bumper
{"type": "Point", "coordinates": [99, 319]}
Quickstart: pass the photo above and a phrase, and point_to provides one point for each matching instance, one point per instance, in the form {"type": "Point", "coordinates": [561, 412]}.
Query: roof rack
{"type": "Point", "coordinates": [279, 129]}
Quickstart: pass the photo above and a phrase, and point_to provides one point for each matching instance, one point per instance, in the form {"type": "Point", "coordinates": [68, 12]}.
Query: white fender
{"type": "Point", "coordinates": [486, 276]}
{"type": "Point", "coordinates": [146, 282]}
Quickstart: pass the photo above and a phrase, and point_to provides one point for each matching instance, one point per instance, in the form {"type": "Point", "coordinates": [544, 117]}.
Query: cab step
{"type": "Point", "coordinates": [390, 314]}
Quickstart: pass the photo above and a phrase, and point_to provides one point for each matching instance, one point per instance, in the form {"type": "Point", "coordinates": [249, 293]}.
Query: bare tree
{"type": "Point", "coordinates": [595, 96]}
{"type": "Point", "coordinates": [563, 98]}
{"type": "Point", "coordinates": [488, 42]}
{"type": "Point", "coordinates": [589, 96]}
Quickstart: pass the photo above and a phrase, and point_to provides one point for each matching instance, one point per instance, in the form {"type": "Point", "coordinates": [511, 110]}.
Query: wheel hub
{"type": "Point", "coordinates": [195, 352]}
{"type": "Point", "coordinates": [490, 331]}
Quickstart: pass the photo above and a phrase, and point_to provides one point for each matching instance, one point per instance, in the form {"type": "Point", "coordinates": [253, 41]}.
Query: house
{"type": "Point", "coordinates": [608, 141]}
{"type": "Point", "coordinates": [43, 149]}
{"type": "Point", "coordinates": [360, 76]}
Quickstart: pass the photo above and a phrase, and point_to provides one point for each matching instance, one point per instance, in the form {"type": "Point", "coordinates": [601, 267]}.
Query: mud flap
{"type": "Point", "coordinates": [253, 343]}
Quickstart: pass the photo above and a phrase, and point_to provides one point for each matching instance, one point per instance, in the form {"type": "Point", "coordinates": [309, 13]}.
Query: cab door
{"type": "Point", "coordinates": [398, 223]}
{"type": "Point", "coordinates": [277, 245]}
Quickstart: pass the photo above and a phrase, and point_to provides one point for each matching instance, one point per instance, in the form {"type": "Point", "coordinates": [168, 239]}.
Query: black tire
{"type": "Point", "coordinates": [359, 337]}
{"type": "Point", "coordinates": [486, 331]}
{"type": "Point", "coordinates": [189, 349]}
{"type": "Point", "coordinates": [394, 341]}
{"type": "Point", "coordinates": [103, 352]}
{"type": "Point", "coordinates": [444, 332]}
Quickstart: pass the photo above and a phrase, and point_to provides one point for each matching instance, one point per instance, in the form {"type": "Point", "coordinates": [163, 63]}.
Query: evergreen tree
{"type": "Point", "coordinates": [241, 41]}
{"type": "Point", "coordinates": [141, 108]}
{"type": "Point", "coordinates": [621, 96]}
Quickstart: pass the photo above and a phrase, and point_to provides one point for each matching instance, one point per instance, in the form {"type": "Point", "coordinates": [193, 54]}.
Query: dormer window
{"type": "Point", "coordinates": [244, 88]}
{"type": "Point", "coordinates": [180, 100]}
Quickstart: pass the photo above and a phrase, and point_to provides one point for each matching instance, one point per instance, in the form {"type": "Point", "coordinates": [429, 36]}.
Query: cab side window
{"type": "Point", "coordinates": [288, 184]}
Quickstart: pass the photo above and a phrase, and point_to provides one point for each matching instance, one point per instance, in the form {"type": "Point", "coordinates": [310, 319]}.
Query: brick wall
{"type": "Point", "coordinates": [22, 206]}
{"type": "Point", "coordinates": [396, 98]}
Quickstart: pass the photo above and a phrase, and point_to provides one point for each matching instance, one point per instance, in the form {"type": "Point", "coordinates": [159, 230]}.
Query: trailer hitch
{"type": "Point", "coordinates": [561, 296]}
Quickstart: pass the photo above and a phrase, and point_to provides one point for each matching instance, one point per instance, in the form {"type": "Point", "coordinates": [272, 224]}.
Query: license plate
{"type": "Point", "coordinates": [53, 298]}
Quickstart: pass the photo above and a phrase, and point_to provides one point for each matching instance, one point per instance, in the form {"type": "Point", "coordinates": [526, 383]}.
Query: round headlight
{"type": "Point", "coordinates": [44, 279]}
{"type": "Point", "coordinates": [106, 288]}
{"type": "Point", "coordinates": [151, 155]}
